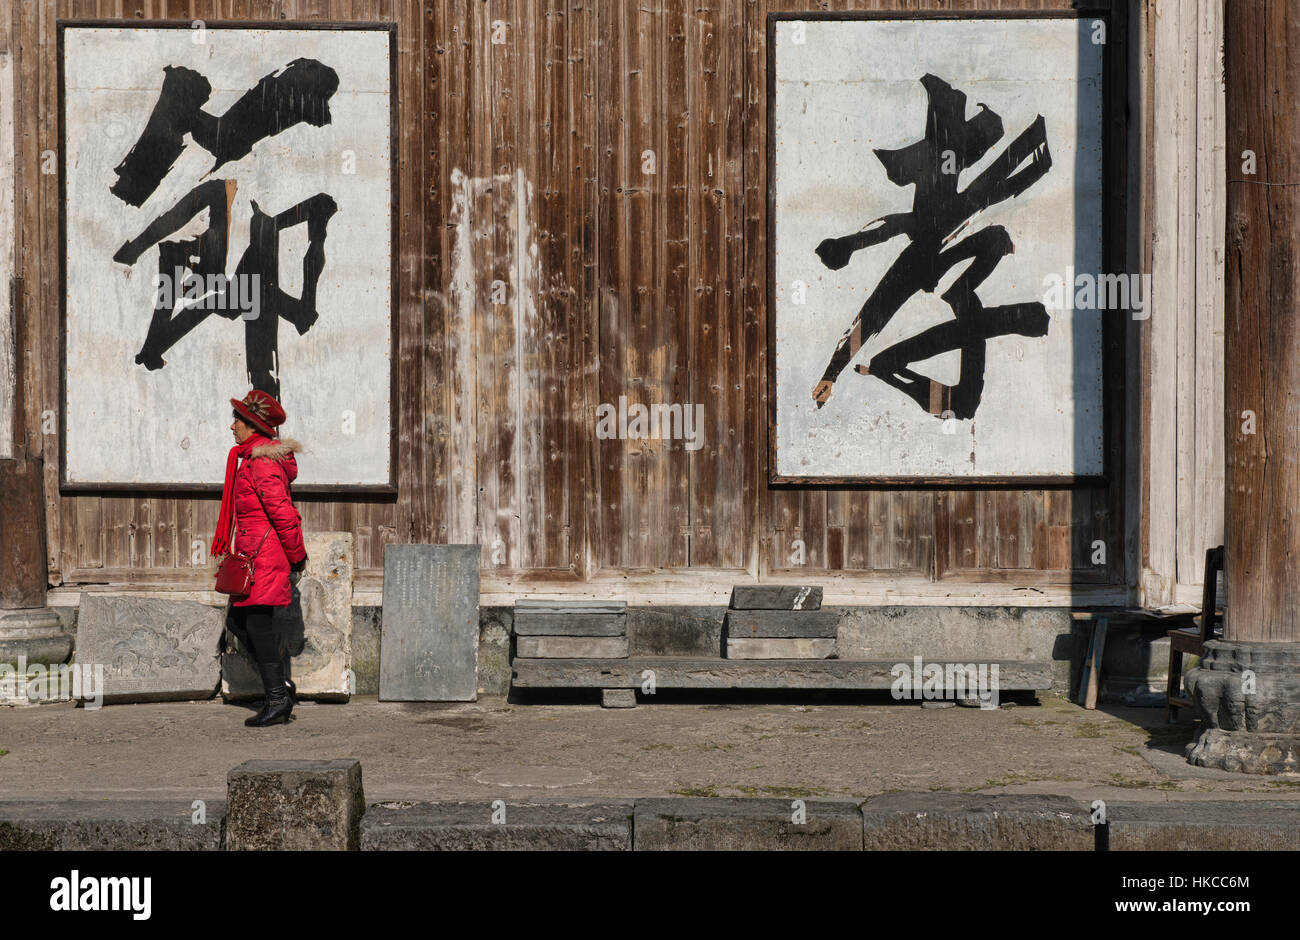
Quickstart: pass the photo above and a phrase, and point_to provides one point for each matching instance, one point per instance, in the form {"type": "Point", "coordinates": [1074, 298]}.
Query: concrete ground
{"type": "Point", "coordinates": [850, 746]}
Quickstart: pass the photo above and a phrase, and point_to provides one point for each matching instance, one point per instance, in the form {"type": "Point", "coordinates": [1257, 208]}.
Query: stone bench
{"type": "Point", "coordinates": [618, 679]}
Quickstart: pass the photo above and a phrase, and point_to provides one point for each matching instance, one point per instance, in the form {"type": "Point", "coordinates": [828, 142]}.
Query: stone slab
{"type": "Point", "coordinates": [468, 825]}
{"type": "Point", "coordinates": [150, 649]}
{"type": "Point", "coordinates": [569, 607]}
{"type": "Point", "coordinates": [571, 647]}
{"type": "Point", "coordinates": [765, 624]}
{"type": "Point", "coordinates": [1205, 825]}
{"type": "Point", "coordinates": [618, 698]}
{"type": "Point", "coordinates": [959, 821]}
{"type": "Point", "coordinates": [315, 631]}
{"type": "Point", "coordinates": [712, 673]}
{"type": "Point", "coordinates": [118, 826]}
{"type": "Point", "coordinates": [693, 824]}
{"type": "Point", "coordinates": [776, 597]}
{"type": "Point", "coordinates": [748, 648]}
{"type": "Point", "coordinates": [429, 648]}
{"type": "Point", "coordinates": [310, 805]}
{"type": "Point", "coordinates": [528, 623]}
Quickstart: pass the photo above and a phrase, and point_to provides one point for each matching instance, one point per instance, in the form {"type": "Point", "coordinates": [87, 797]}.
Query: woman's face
{"type": "Point", "coordinates": [242, 430]}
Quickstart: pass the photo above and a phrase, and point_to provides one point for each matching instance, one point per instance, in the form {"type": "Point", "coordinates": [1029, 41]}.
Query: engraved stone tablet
{"type": "Point", "coordinates": [428, 648]}
{"type": "Point", "coordinates": [150, 650]}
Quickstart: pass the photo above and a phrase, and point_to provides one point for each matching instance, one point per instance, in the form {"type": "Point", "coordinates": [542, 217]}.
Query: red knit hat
{"type": "Point", "coordinates": [261, 411]}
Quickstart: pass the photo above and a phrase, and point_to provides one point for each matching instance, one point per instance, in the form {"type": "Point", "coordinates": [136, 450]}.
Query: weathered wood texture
{"type": "Point", "coordinates": [582, 216]}
{"type": "Point", "coordinates": [1262, 339]}
{"type": "Point", "coordinates": [22, 548]}
{"type": "Point", "coordinates": [1182, 340]}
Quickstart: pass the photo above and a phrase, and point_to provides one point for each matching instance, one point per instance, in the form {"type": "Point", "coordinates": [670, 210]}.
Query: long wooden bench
{"type": "Point", "coordinates": [672, 672]}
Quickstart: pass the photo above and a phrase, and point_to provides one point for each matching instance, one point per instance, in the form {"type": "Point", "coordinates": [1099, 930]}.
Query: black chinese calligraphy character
{"type": "Point", "coordinates": [298, 94]}
{"type": "Point", "coordinates": [191, 281]}
{"type": "Point", "coordinates": [939, 212]}
{"type": "Point", "coordinates": [257, 276]}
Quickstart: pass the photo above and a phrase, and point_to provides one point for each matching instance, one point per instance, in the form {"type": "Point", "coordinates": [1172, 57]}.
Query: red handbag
{"type": "Point", "coordinates": [235, 570]}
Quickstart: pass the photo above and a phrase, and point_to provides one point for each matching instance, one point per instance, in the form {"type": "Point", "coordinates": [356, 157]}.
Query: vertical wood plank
{"type": "Point", "coordinates": [1206, 522]}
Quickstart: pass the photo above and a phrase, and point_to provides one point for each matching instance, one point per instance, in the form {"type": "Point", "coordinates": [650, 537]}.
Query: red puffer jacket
{"type": "Point", "coordinates": [262, 503]}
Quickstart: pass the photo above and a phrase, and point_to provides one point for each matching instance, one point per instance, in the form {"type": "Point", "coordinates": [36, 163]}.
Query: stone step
{"type": "Point", "coordinates": [672, 672]}
{"type": "Point", "coordinates": [929, 821]}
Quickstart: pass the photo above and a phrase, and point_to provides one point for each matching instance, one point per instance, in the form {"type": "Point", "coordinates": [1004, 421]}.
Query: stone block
{"type": "Point", "coordinates": [782, 624]}
{"type": "Point", "coordinates": [675, 631]}
{"type": "Point", "coordinates": [571, 647]}
{"type": "Point", "coordinates": [534, 624]}
{"type": "Point", "coordinates": [749, 648]}
{"type": "Point", "coordinates": [569, 607]}
{"type": "Point", "coordinates": [1205, 826]}
{"type": "Point", "coordinates": [151, 650]}
{"type": "Point", "coordinates": [462, 826]}
{"type": "Point", "coordinates": [950, 821]}
{"type": "Point", "coordinates": [775, 597]}
{"type": "Point", "coordinates": [429, 648]}
{"type": "Point", "coordinates": [118, 826]}
{"type": "Point", "coordinates": [315, 630]}
{"type": "Point", "coordinates": [618, 698]}
{"type": "Point", "coordinates": [494, 625]}
{"type": "Point", "coordinates": [309, 805]}
{"type": "Point", "coordinates": [366, 627]}
{"type": "Point", "coordinates": [746, 825]}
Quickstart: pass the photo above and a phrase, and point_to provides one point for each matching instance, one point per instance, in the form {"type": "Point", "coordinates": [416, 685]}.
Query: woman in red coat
{"type": "Point", "coordinates": [259, 469]}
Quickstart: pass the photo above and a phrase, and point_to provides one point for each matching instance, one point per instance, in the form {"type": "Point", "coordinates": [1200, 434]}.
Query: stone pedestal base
{"type": "Point", "coordinates": [30, 637]}
{"type": "Point", "coordinates": [1248, 696]}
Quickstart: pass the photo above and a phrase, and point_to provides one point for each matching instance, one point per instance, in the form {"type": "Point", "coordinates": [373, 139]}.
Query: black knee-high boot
{"type": "Point", "coordinates": [265, 647]}
{"type": "Point", "coordinates": [279, 703]}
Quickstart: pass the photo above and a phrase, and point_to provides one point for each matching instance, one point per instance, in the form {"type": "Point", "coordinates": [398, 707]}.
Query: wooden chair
{"type": "Point", "coordinates": [1191, 640]}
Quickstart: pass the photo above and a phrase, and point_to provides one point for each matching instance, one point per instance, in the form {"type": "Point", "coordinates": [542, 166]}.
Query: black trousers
{"type": "Point", "coordinates": [252, 624]}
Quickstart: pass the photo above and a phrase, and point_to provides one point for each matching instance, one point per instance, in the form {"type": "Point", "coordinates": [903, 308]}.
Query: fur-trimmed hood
{"type": "Point", "coordinates": [277, 449]}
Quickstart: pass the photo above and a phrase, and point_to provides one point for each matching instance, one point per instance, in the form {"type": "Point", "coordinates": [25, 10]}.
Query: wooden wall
{"type": "Point", "coordinates": [524, 129]}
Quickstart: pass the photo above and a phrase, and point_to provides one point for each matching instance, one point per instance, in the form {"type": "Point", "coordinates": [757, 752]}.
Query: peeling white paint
{"type": "Point", "coordinates": [483, 207]}
{"type": "Point", "coordinates": [7, 387]}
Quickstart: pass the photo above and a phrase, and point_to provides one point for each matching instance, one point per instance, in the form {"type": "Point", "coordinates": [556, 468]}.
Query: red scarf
{"type": "Point", "coordinates": [221, 541]}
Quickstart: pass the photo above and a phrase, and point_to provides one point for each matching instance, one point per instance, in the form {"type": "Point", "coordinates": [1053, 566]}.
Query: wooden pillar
{"type": "Point", "coordinates": [1262, 321]}
{"type": "Point", "coordinates": [1246, 691]}
{"type": "Point", "coordinates": [22, 534]}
